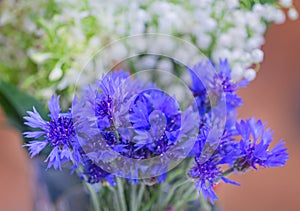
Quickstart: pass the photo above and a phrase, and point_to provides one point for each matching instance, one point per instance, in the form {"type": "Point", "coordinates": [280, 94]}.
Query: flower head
{"type": "Point", "coordinates": [215, 84]}
{"type": "Point", "coordinates": [207, 174]}
{"type": "Point", "coordinates": [93, 173]}
{"type": "Point", "coordinates": [58, 132]}
{"type": "Point", "coordinates": [254, 146]}
{"type": "Point", "coordinates": [135, 118]}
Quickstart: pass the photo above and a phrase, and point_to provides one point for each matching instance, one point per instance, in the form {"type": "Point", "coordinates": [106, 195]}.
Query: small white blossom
{"type": "Point", "coordinates": [257, 55]}
{"type": "Point", "coordinates": [56, 73]}
{"type": "Point", "coordinates": [279, 16]}
{"type": "Point", "coordinates": [293, 14]}
{"type": "Point", "coordinates": [258, 9]}
{"type": "Point", "coordinates": [165, 65]}
{"type": "Point", "coordinates": [38, 57]}
{"type": "Point", "coordinates": [231, 4]}
{"type": "Point", "coordinates": [237, 71]}
{"type": "Point", "coordinates": [286, 3]}
{"type": "Point", "coordinates": [203, 41]}
{"type": "Point", "coordinates": [250, 74]}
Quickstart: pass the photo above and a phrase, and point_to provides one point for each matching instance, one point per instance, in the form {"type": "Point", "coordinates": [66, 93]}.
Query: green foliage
{"type": "Point", "coordinates": [15, 103]}
{"type": "Point", "coordinates": [248, 4]}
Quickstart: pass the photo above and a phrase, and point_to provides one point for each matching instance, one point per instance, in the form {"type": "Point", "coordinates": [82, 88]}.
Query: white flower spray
{"type": "Point", "coordinates": [63, 35]}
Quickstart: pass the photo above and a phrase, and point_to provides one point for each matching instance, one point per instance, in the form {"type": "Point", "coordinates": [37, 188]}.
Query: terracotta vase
{"type": "Point", "coordinates": [15, 191]}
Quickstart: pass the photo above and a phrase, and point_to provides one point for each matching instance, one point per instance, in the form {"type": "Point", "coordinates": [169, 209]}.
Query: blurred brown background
{"type": "Point", "coordinates": [15, 187]}
{"type": "Point", "coordinates": [274, 97]}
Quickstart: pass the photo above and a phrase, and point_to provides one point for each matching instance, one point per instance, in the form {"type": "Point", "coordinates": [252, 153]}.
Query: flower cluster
{"type": "Point", "coordinates": [124, 112]}
{"type": "Point", "coordinates": [124, 118]}
{"type": "Point", "coordinates": [243, 145]}
{"type": "Point", "coordinates": [60, 135]}
{"type": "Point", "coordinates": [59, 37]}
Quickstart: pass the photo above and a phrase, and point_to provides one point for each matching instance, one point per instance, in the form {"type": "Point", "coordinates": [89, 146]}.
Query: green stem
{"type": "Point", "coordinates": [95, 202]}
{"type": "Point", "coordinates": [133, 197]}
{"type": "Point", "coordinates": [227, 172]}
{"type": "Point", "coordinates": [140, 195]}
{"type": "Point", "coordinates": [121, 194]}
{"type": "Point", "coordinates": [204, 204]}
{"type": "Point", "coordinates": [188, 195]}
{"type": "Point", "coordinates": [171, 192]}
{"type": "Point", "coordinates": [112, 189]}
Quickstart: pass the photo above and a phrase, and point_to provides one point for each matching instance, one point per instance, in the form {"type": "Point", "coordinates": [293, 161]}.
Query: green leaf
{"type": "Point", "coordinates": [16, 103]}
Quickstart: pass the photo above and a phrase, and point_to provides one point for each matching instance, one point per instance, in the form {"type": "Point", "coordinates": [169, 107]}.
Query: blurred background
{"type": "Point", "coordinates": [273, 97]}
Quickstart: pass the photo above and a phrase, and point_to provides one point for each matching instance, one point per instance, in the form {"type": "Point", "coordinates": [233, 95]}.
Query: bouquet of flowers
{"type": "Point", "coordinates": [136, 147]}
{"type": "Point", "coordinates": [159, 130]}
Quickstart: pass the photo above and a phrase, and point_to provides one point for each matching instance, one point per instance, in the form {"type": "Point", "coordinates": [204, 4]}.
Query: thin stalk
{"type": "Point", "coordinates": [204, 204]}
{"type": "Point", "coordinates": [150, 203]}
{"type": "Point", "coordinates": [228, 171]}
{"type": "Point", "coordinates": [133, 197]}
{"type": "Point", "coordinates": [121, 195]}
{"type": "Point", "coordinates": [116, 196]}
{"type": "Point", "coordinates": [95, 202]}
{"type": "Point", "coordinates": [171, 192]}
{"type": "Point", "coordinates": [190, 194]}
{"type": "Point", "coordinates": [140, 195]}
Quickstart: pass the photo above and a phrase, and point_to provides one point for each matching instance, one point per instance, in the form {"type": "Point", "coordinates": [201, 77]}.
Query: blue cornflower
{"type": "Point", "coordinates": [58, 133]}
{"type": "Point", "coordinates": [230, 88]}
{"type": "Point", "coordinates": [209, 158]}
{"type": "Point", "coordinates": [135, 118]}
{"type": "Point", "coordinates": [93, 173]}
{"type": "Point", "coordinates": [207, 174]}
{"type": "Point", "coordinates": [198, 89]}
{"type": "Point", "coordinates": [156, 118]}
{"type": "Point", "coordinates": [123, 116]}
{"type": "Point", "coordinates": [220, 81]}
{"type": "Point", "coordinates": [254, 146]}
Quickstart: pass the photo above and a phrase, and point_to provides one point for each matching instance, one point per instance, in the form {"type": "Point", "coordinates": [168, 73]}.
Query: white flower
{"type": "Point", "coordinates": [203, 41]}
{"type": "Point", "coordinates": [258, 9]}
{"type": "Point", "coordinates": [255, 42]}
{"type": "Point", "coordinates": [286, 3]}
{"type": "Point", "coordinates": [232, 4]}
{"type": "Point", "coordinates": [118, 51]}
{"type": "Point", "coordinates": [279, 16]}
{"type": "Point", "coordinates": [237, 71]}
{"type": "Point", "coordinates": [250, 74]}
{"type": "Point", "coordinates": [56, 73]}
{"type": "Point", "coordinates": [293, 14]}
{"type": "Point", "coordinates": [219, 29]}
{"type": "Point", "coordinates": [39, 57]}
{"type": "Point", "coordinates": [221, 53]}
{"type": "Point", "coordinates": [209, 24]}
{"type": "Point", "coordinates": [165, 65]}
{"type": "Point", "coordinates": [225, 40]}
{"type": "Point", "coordinates": [257, 56]}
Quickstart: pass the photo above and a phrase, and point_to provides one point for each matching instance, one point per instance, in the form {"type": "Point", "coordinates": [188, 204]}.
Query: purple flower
{"type": "Point", "coordinates": [156, 118]}
{"type": "Point", "coordinates": [207, 174]}
{"type": "Point", "coordinates": [217, 83]}
{"type": "Point", "coordinates": [209, 158]}
{"type": "Point", "coordinates": [58, 133]}
{"type": "Point", "coordinates": [92, 173]}
{"type": "Point", "coordinates": [135, 118]}
{"type": "Point", "coordinates": [254, 146]}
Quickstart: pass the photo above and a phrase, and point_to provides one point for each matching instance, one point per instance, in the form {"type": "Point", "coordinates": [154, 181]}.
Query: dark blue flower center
{"type": "Point", "coordinates": [103, 113]}
{"type": "Point", "coordinates": [60, 131]}
{"type": "Point", "coordinates": [94, 173]}
{"type": "Point", "coordinates": [157, 114]}
{"type": "Point", "coordinates": [206, 171]}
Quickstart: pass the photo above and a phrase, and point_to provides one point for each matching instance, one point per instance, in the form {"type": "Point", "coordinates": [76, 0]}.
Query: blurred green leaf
{"type": "Point", "coordinates": [16, 103]}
